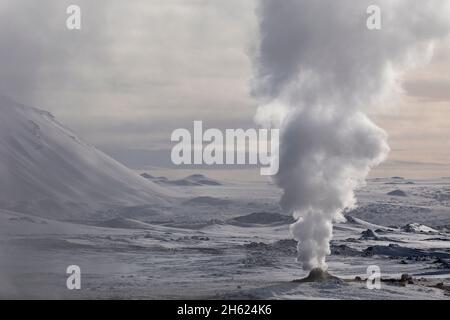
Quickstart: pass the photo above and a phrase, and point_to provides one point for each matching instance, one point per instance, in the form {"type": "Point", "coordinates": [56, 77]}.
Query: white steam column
{"type": "Point", "coordinates": [318, 72]}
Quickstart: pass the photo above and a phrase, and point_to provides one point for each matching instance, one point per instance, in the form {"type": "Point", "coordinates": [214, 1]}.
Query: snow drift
{"type": "Point", "coordinates": [46, 170]}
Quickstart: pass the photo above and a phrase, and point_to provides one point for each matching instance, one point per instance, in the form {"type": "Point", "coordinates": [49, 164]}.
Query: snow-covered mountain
{"type": "Point", "coordinates": [47, 170]}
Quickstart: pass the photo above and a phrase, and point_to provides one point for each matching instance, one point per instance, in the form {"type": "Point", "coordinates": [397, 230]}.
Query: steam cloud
{"type": "Point", "coordinates": [319, 71]}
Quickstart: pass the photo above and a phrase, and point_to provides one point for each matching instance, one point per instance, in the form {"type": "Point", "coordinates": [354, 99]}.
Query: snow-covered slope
{"type": "Point", "coordinates": [47, 170]}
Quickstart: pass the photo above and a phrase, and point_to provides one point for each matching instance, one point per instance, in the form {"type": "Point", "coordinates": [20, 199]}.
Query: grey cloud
{"type": "Point", "coordinates": [38, 51]}
{"type": "Point", "coordinates": [134, 66]}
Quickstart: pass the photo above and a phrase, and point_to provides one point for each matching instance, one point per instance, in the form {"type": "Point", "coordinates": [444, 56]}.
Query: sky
{"type": "Point", "coordinates": [139, 69]}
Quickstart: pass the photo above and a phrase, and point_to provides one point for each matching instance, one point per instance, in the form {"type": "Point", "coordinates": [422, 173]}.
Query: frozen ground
{"type": "Point", "coordinates": [63, 202]}
{"type": "Point", "coordinates": [231, 241]}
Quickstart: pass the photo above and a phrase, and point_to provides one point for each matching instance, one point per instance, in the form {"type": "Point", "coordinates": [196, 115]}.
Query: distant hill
{"type": "Point", "coordinates": [190, 181]}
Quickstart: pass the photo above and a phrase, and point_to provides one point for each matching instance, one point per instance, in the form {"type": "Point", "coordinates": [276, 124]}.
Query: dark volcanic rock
{"type": "Point", "coordinates": [369, 234]}
{"type": "Point", "coordinates": [261, 218]}
{"type": "Point", "coordinates": [344, 250]}
{"type": "Point", "coordinates": [397, 193]}
{"type": "Point", "coordinates": [407, 278]}
{"type": "Point", "coordinates": [396, 251]}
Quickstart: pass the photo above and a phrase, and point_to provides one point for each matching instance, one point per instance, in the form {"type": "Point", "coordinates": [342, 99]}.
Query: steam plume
{"type": "Point", "coordinates": [319, 72]}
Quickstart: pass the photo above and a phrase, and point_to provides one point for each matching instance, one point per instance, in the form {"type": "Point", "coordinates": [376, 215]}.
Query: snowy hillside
{"type": "Point", "coordinates": [48, 171]}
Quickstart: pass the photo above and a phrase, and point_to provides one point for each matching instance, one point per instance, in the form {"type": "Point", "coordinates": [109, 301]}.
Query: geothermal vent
{"type": "Point", "coordinates": [318, 275]}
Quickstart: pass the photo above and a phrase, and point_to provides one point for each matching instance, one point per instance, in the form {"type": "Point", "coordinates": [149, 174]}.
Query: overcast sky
{"type": "Point", "coordinates": [140, 68]}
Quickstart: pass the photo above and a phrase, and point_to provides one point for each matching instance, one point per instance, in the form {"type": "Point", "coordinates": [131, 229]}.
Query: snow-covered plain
{"type": "Point", "coordinates": [64, 203]}
{"type": "Point", "coordinates": [235, 246]}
